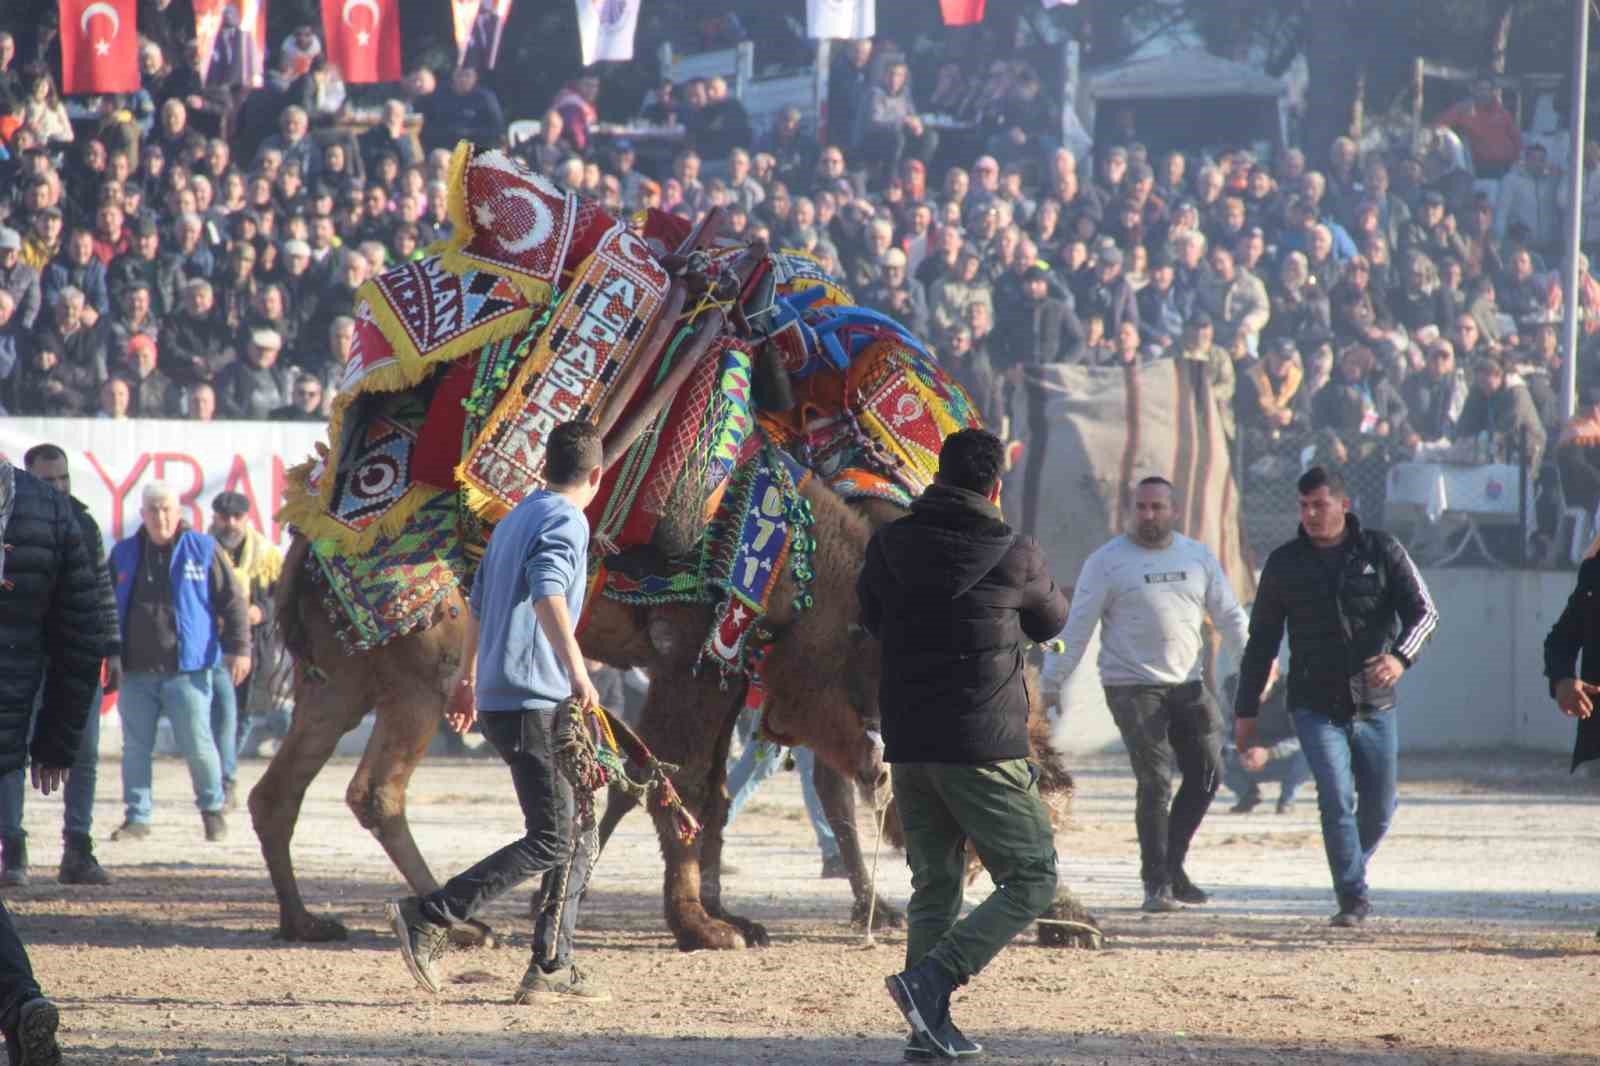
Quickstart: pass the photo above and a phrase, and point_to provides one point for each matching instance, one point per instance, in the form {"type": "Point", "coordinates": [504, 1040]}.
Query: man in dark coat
{"type": "Point", "coordinates": [47, 603]}
{"type": "Point", "coordinates": [1578, 630]}
{"type": "Point", "coordinates": [953, 594]}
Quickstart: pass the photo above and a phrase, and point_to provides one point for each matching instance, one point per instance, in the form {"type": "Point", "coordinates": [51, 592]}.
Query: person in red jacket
{"type": "Point", "coordinates": [1488, 128]}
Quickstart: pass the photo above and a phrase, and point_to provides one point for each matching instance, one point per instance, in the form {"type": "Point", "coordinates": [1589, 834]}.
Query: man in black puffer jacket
{"type": "Point", "coordinates": [1358, 614]}
{"type": "Point", "coordinates": [48, 603]}
{"type": "Point", "coordinates": [953, 594]}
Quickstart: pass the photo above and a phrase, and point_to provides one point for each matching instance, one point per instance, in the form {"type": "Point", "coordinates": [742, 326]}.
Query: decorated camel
{"type": "Point", "coordinates": [724, 566]}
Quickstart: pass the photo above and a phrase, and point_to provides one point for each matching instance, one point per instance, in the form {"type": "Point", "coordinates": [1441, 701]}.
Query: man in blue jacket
{"type": "Point", "coordinates": [519, 659]}
{"type": "Point", "coordinates": [181, 610]}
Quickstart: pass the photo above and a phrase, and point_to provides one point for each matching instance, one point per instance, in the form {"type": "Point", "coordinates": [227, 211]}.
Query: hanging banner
{"type": "Point", "coordinates": [99, 47]}
{"type": "Point", "coordinates": [363, 39]}
{"type": "Point", "coordinates": [479, 25]}
{"type": "Point", "coordinates": [111, 461]}
{"type": "Point", "coordinates": [849, 20]}
{"type": "Point", "coordinates": [232, 35]}
{"type": "Point", "coordinates": [605, 29]}
{"type": "Point", "coordinates": [961, 12]}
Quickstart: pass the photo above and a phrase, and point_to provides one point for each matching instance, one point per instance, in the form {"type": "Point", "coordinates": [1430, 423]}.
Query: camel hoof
{"type": "Point", "coordinates": [885, 915]}
{"type": "Point", "coordinates": [702, 932]}
{"type": "Point", "coordinates": [308, 929]}
{"type": "Point", "coordinates": [473, 935]}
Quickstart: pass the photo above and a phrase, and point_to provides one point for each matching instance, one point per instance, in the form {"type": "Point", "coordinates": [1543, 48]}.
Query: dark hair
{"type": "Point", "coordinates": [1319, 477]}
{"type": "Point", "coordinates": [571, 451]}
{"type": "Point", "coordinates": [42, 453]}
{"type": "Point", "coordinates": [1156, 479]}
{"type": "Point", "coordinates": [972, 459]}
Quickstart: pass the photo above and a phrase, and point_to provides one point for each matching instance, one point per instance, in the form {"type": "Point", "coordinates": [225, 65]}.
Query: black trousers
{"type": "Point", "coordinates": [17, 985]}
{"type": "Point", "coordinates": [1167, 727]}
{"type": "Point", "coordinates": [554, 844]}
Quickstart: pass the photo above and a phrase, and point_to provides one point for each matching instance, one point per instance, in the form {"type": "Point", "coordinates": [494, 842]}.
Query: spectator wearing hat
{"type": "Point", "coordinates": [1198, 346]}
{"type": "Point", "coordinates": [19, 279]}
{"type": "Point", "coordinates": [1433, 230]}
{"type": "Point", "coordinates": [1436, 395]}
{"type": "Point", "coordinates": [1110, 297]}
{"type": "Point", "coordinates": [1163, 307]}
{"type": "Point", "coordinates": [255, 385]}
{"type": "Point", "coordinates": [1273, 406]}
{"type": "Point", "coordinates": [77, 266]}
{"type": "Point", "coordinates": [256, 567]}
{"type": "Point", "coordinates": [146, 262]}
{"type": "Point", "coordinates": [153, 394]}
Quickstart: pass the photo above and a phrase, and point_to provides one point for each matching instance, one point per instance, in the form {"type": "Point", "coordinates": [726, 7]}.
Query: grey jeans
{"type": "Point", "coordinates": [1167, 728]}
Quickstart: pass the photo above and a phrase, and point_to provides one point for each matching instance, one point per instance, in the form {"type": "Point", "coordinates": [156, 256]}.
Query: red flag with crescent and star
{"type": "Point", "coordinates": [363, 38]}
{"type": "Point", "coordinates": [99, 47]}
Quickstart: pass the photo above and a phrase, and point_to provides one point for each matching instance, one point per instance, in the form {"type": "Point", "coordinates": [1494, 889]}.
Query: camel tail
{"type": "Point", "coordinates": [288, 597]}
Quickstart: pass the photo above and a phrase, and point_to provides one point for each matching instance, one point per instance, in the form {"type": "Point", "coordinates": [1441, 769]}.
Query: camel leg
{"type": "Point", "coordinates": [839, 804]}
{"type": "Point", "coordinates": [323, 713]}
{"type": "Point", "coordinates": [677, 726]}
{"type": "Point", "coordinates": [377, 792]}
{"type": "Point", "coordinates": [714, 817]}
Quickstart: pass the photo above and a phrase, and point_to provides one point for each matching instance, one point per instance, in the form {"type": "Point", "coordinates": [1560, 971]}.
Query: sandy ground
{"type": "Point", "coordinates": [1482, 951]}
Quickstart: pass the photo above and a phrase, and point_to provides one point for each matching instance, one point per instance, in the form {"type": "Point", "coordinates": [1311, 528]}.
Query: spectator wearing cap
{"type": "Point", "coordinates": [256, 567]}
{"type": "Point", "coordinates": [1110, 297]}
{"type": "Point", "coordinates": [255, 385]}
{"type": "Point", "coordinates": [1436, 395]}
{"type": "Point", "coordinates": [1235, 299]}
{"type": "Point", "coordinates": [1198, 346]}
{"type": "Point", "coordinates": [898, 295]}
{"type": "Point", "coordinates": [43, 241]}
{"type": "Point", "coordinates": [19, 279]}
{"type": "Point", "coordinates": [299, 277]}
{"type": "Point", "coordinates": [153, 394]}
{"type": "Point", "coordinates": [1489, 129]}
{"type": "Point", "coordinates": [146, 262]}
{"type": "Point", "coordinates": [1163, 307]}
{"type": "Point", "coordinates": [1273, 407]}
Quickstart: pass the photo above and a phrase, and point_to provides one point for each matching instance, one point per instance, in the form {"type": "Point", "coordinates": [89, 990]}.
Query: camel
{"type": "Point", "coordinates": [687, 719]}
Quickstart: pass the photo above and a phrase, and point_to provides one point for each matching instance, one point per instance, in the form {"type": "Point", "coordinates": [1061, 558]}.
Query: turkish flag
{"type": "Point", "coordinates": [363, 39]}
{"type": "Point", "coordinates": [99, 47]}
{"type": "Point", "coordinates": [961, 12]}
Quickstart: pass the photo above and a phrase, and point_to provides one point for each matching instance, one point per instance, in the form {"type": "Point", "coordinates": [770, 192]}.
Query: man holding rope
{"type": "Point", "coordinates": [954, 594]}
{"type": "Point", "coordinates": [525, 600]}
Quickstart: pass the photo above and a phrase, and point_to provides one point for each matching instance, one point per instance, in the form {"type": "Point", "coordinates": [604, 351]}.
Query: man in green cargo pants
{"type": "Point", "coordinates": [953, 594]}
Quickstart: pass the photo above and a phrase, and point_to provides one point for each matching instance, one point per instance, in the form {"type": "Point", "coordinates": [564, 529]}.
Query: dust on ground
{"type": "Point", "coordinates": [1482, 949]}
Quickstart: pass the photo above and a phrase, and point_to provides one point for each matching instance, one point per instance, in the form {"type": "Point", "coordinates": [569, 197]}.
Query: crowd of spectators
{"type": "Point", "coordinates": [187, 252]}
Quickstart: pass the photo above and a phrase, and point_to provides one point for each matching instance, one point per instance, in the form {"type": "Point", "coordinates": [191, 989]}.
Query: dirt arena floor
{"type": "Point", "coordinates": [1482, 949]}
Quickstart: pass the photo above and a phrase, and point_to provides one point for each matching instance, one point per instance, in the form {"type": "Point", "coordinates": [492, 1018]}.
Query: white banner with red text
{"type": "Point", "coordinates": [112, 460]}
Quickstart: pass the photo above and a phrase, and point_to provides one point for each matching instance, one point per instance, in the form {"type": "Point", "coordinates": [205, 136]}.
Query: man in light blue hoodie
{"type": "Point", "coordinates": [520, 659]}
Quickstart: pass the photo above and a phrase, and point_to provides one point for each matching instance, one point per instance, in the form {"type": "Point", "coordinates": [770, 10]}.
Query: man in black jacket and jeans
{"type": "Point", "coordinates": [49, 626]}
{"type": "Point", "coordinates": [1358, 614]}
{"type": "Point", "coordinates": [953, 594]}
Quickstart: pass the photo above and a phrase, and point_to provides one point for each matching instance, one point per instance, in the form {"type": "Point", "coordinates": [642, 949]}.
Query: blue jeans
{"type": "Point", "coordinates": [79, 793]}
{"type": "Point", "coordinates": [225, 721]}
{"type": "Point", "coordinates": [1354, 763]}
{"type": "Point", "coordinates": [759, 761]}
{"type": "Point", "coordinates": [186, 701]}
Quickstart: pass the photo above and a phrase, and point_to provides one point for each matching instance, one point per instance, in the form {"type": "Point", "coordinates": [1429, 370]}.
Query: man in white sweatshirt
{"type": "Point", "coordinates": [1151, 590]}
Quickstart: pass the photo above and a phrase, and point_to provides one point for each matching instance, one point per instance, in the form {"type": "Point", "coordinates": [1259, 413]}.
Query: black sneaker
{"type": "Point", "coordinates": [918, 1049]}
{"type": "Point", "coordinates": [569, 983]}
{"type": "Point", "coordinates": [923, 995]}
{"type": "Point", "coordinates": [421, 942]}
{"type": "Point", "coordinates": [1353, 910]}
{"type": "Point", "coordinates": [1186, 891]}
{"type": "Point", "coordinates": [215, 825]}
{"type": "Point", "coordinates": [37, 1021]}
{"type": "Point", "coordinates": [1159, 900]}
{"type": "Point", "coordinates": [1246, 804]}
